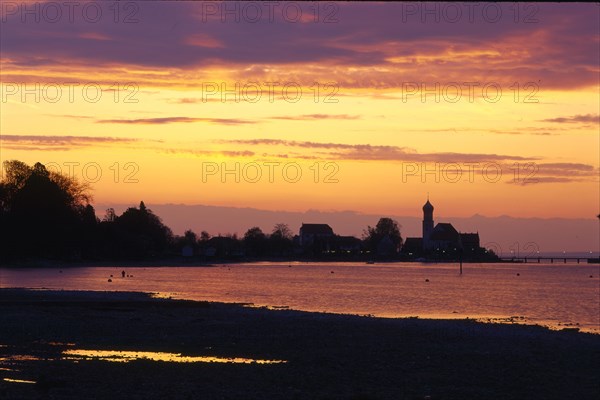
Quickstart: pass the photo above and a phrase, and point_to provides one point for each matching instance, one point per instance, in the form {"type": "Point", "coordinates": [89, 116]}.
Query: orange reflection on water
{"type": "Point", "coordinates": [126, 356]}
{"type": "Point", "coordinates": [17, 380]}
{"type": "Point", "coordinates": [20, 357]}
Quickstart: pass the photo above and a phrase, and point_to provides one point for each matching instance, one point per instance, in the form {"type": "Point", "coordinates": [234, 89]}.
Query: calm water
{"type": "Point", "coordinates": [549, 294]}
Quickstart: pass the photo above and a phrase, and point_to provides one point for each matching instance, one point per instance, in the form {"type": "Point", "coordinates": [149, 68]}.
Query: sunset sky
{"type": "Point", "coordinates": [358, 98]}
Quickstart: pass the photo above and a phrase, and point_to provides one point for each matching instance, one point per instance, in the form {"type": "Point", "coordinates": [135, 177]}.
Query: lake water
{"type": "Point", "coordinates": [555, 295]}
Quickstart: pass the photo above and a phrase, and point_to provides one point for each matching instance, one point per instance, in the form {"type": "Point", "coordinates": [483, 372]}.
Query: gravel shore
{"type": "Point", "coordinates": [327, 356]}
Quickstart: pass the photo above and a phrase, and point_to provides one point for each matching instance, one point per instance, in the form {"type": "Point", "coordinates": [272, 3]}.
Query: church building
{"type": "Point", "coordinates": [440, 237]}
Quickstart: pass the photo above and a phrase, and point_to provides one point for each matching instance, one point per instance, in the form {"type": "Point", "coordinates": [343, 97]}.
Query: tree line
{"type": "Point", "coordinates": [48, 215]}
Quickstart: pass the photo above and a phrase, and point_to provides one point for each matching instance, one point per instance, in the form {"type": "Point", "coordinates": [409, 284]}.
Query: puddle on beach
{"type": "Point", "coordinates": [61, 344]}
{"type": "Point", "coordinates": [126, 356]}
{"type": "Point", "coordinates": [17, 380]}
{"type": "Point", "coordinates": [20, 357]}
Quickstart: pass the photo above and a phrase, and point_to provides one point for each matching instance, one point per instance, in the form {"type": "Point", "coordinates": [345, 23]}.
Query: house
{"type": "Point", "coordinates": [316, 238]}
{"type": "Point", "coordinates": [187, 251]}
{"type": "Point", "coordinates": [348, 244]}
{"type": "Point", "coordinates": [309, 233]}
{"type": "Point", "coordinates": [413, 246]}
{"type": "Point", "coordinates": [470, 242]}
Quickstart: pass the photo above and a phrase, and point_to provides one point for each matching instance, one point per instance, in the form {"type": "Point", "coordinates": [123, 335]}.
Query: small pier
{"type": "Point", "coordinates": [552, 260]}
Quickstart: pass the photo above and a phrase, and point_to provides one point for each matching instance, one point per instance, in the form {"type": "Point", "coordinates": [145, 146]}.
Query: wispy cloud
{"type": "Point", "coordinates": [529, 130]}
{"type": "Point", "coordinates": [176, 120]}
{"type": "Point", "coordinates": [367, 152]}
{"type": "Point", "coordinates": [536, 173]}
{"type": "Point", "coordinates": [70, 116]}
{"type": "Point", "coordinates": [584, 119]}
{"type": "Point", "coordinates": [207, 153]}
{"type": "Point", "coordinates": [59, 143]}
{"type": "Point", "coordinates": [313, 117]}
{"type": "Point", "coordinates": [197, 100]}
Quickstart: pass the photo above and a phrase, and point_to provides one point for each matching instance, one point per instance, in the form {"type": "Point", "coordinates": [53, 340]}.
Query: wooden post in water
{"type": "Point", "coordinates": [460, 252]}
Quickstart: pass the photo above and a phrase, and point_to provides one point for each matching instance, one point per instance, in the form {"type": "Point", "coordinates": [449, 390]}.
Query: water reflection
{"type": "Point", "coordinates": [126, 356]}
{"type": "Point", "coordinates": [546, 294]}
{"type": "Point", "coordinates": [17, 380]}
{"type": "Point", "coordinates": [20, 357]}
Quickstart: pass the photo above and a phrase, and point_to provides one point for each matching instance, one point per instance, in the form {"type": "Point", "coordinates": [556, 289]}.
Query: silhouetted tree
{"type": "Point", "coordinates": [280, 241]}
{"type": "Point", "coordinates": [204, 236]}
{"type": "Point", "coordinates": [141, 233]}
{"type": "Point", "coordinates": [226, 246]}
{"type": "Point", "coordinates": [386, 231]}
{"type": "Point", "coordinates": [110, 215]}
{"type": "Point", "coordinates": [255, 242]}
{"type": "Point", "coordinates": [42, 211]}
{"type": "Point", "coordinates": [282, 230]}
{"type": "Point", "coordinates": [89, 235]}
{"type": "Point", "coordinates": [190, 237]}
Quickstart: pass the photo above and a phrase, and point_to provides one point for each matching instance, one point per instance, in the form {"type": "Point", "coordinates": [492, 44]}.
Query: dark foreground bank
{"type": "Point", "coordinates": [328, 356]}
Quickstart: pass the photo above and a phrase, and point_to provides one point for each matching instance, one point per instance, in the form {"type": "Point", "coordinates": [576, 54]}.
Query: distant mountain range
{"type": "Point", "coordinates": [503, 234]}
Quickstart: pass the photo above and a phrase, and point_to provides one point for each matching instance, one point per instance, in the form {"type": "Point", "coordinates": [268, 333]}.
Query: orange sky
{"type": "Point", "coordinates": [348, 111]}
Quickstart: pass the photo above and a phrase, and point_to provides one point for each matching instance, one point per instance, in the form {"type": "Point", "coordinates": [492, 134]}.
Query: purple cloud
{"type": "Point", "coordinates": [586, 119]}
{"type": "Point", "coordinates": [341, 151]}
{"type": "Point", "coordinates": [174, 120]}
{"type": "Point", "coordinates": [60, 143]}
{"type": "Point", "coordinates": [554, 45]}
{"type": "Point", "coordinates": [314, 117]}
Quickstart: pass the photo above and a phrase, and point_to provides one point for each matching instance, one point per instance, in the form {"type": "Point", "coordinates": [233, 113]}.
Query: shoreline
{"type": "Point", "coordinates": [117, 295]}
{"type": "Point", "coordinates": [180, 262]}
{"type": "Point", "coordinates": [327, 355]}
{"type": "Point", "coordinates": [201, 261]}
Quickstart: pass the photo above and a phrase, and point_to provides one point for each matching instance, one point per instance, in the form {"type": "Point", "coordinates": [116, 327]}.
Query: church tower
{"type": "Point", "coordinates": [427, 223]}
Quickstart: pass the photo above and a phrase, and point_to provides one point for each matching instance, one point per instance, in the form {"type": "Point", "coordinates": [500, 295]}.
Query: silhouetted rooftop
{"type": "Point", "coordinates": [316, 229]}
{"type": "Point", "coordinates": [444, 231]}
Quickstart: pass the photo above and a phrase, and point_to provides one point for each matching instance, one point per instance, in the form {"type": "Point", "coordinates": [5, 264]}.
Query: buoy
{"type": "Point", "coordinates": [591, 276]}
{"type": "Point", "coordinates": [426, 280]}
{"type": "Point", "coordinates": [332, 272]}
{"type": "Point", "coordinates": [111, 276]}
{"type": "Point", "coordinates": [110, 280]}
{"type": "Point", "coordinates": [518, 274]}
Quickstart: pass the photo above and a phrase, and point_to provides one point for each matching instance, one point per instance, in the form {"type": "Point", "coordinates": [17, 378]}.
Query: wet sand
{"type": "Point", "coordinates": [327, 356]}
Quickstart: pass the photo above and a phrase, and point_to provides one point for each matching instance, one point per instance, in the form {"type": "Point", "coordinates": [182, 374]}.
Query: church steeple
{"type": "Point", "coordinates": [428, 208]}
{"type": "Point", "coordinates": [427, 223]}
